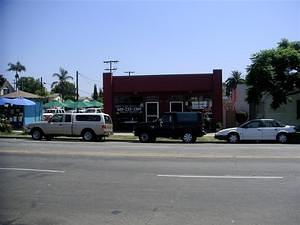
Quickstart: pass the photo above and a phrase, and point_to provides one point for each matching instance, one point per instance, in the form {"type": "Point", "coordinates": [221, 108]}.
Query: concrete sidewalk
{"type": "Point", "coordinates": [131, 134]}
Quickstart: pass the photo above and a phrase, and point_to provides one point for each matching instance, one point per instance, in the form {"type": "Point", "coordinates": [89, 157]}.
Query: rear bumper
{"type": "Point", "coordinates": [108, 133]}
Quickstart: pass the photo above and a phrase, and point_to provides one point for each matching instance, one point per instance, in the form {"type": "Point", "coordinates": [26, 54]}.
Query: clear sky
{"type": "Point", "coordinates": [148, 37]}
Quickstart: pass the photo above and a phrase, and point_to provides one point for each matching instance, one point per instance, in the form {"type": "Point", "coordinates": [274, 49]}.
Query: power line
{"type": "Point", "coordinates": [84, 91]}
{"type": "Point", "coordinates": [88, 78]}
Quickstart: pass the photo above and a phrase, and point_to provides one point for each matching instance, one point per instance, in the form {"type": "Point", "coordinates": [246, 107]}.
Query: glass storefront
{"type": "Point", "coordinates": [129, 110]}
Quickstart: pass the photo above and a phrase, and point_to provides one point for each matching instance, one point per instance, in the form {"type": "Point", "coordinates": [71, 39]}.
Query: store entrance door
{"type": "Point", "coordinates": [152, 111]}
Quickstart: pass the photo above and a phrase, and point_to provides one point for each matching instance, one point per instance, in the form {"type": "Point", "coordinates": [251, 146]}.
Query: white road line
{"type": "Point", "coordinates": [33, 170]}
{"type": "Point", "coordinates": [220, 177]}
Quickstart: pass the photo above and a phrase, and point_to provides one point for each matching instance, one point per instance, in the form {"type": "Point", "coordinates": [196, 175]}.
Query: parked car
{"type": "Point", "coordinates": [185, 125]}
{"type": "Point", "coordinates": [48, 113]}
{"type": "Point", "coordinates": [87, 125]}
{"type": "Point", "coordinates": [258, 130]}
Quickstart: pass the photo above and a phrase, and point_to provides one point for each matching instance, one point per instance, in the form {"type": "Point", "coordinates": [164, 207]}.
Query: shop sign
{"type": "Point", "coordinates": [129, 109]}
{"type": "Point", "coordinates": [199, 105]}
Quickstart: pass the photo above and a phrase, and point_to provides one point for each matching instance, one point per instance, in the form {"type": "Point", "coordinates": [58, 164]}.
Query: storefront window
{"type": "Point", "coordinates": [128, 111]}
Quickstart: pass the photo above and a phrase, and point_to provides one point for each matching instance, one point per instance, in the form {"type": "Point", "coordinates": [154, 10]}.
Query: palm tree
{"type": "Point", "coordinates": [232, 82]}
{"type": "Point", "coordinates": [18, 67]}
{"type": "Point", "coordinates": [63, 78]}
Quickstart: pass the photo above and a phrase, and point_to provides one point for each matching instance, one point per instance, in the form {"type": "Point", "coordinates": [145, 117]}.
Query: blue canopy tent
{"type": "Point", "coordinates": [19, 109]}
{"type": "Point", "coordinates": [5, 101]}
{"type": "Point", "coordinates": [22, 101]}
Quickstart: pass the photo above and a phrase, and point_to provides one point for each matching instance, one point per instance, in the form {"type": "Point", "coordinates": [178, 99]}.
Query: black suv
{"type": "Point", "coordinates": [185, 125]}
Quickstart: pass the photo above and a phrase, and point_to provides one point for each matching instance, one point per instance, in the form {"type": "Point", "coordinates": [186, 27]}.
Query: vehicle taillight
{"type": "Point", "coordinates": [104, 126]}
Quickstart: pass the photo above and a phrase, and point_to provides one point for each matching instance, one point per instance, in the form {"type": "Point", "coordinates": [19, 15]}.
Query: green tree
{"type": "Point", "coordinates": [31, 85]}
{"type": "Point", "coordinates": [275, 72]}
{"type": "Point", "coordinates": [2, 80]}
{"type": "Point", "coordinates": [100, 95]}
{"type": "Point", "coordinates": [232, 82]}
{"type": "Point", "coordinates": [61, 86]}
{"type": "Point", "coordinates": [69, 90]}
{"type": "Point", "coordinates": [95, 93]}
{"type": "Point", "coordinates": [17, 68]}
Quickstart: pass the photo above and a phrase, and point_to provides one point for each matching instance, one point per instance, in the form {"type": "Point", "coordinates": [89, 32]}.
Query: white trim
{"type": "Point", "coordinates": [157, 110]}
{"type": "Point", "coordinates": [176, 102]}
{"type": "Point", "coordinates": [220, 177]}
{"type": "Point", "coordinates": [33, 170]}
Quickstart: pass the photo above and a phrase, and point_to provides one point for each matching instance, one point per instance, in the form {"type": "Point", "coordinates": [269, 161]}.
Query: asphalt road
{"type": "Point", "coordinates": [73, 182]}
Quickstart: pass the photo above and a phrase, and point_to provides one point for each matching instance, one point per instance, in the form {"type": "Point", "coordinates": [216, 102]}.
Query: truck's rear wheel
{"type": "Point", "coordinates": [88, 135]}
{"type": "Point", "coordinates": [188, 137]}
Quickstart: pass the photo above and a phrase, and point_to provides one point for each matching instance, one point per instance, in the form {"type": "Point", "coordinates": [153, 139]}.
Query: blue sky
{"type": "Point", "coordinates": [148, 37]}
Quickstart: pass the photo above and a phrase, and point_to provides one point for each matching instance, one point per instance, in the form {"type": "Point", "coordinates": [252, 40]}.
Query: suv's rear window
{"type": "Point", "coordinates": [107, 119]}
{"type": "Point", "coordinates": [187, 117]}
{"type": "Point", "coordinates": [88, 118]}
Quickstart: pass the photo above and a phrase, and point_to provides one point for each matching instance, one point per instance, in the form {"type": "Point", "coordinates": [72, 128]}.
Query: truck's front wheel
{"type": "Point", "coordinates": [36, 134]}
{"type": "Point", "coordinates": [144, 137]}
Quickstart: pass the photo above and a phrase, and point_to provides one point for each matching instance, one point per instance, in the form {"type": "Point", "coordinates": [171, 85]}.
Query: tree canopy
{"type": "Point", "coordinates": [18, 67]}
{"type": "Point", "coordinates": [275, 72]}
{"type": "Point", "coordinates": [68, 90]}
{"type": "Point", "coordinates": [62, 86]}
{"type": "Point", "coordinates": [232, 82]}
{"type": "Point", "coordinates": [2, 80]}
{"type": "Point", "coordinates": [31, 85]}
{"type": "Point", "coordinates": [95, 93]}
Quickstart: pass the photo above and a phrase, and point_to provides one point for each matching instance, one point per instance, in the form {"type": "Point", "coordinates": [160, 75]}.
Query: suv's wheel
{"type": "Point", "coordinates": [282, 138]}
{"type": "Point", "coordinates": [36, 134]}
{"type": "Point", "coordinates": [233, 138]}
{"type": "Point", "coordinates": [88, 135]}
{"type": "Point", "coordinates": [144, 137]}
{"type": "Point", "coordinates": [188, 137]}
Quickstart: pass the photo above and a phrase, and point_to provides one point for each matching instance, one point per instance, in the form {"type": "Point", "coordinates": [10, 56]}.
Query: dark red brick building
{"type": "Point", "coordinates": [131, 99]}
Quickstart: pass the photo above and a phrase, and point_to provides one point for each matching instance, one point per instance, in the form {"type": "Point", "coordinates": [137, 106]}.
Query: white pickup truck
{"type": "Point", "coordinates": [87, 125]}
{"type": "Point", "coordinates": [50, 112]}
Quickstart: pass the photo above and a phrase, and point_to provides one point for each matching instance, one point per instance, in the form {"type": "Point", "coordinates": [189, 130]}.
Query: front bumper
{"type": "Point", "coordinates": [27, 130]}
{"type": "Point", "coordinates": [220, 137]}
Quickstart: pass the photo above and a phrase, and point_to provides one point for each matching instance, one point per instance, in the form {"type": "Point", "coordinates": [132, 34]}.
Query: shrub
{"type": "Point", "coordinates": [5, 125]}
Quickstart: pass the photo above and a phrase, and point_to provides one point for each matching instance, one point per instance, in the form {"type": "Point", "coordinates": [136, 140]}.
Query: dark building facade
{"type": "Point", "coordinates": [132, 99]}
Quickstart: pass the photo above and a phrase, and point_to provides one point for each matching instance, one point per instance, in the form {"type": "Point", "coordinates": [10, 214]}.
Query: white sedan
{"type": "Point", "coordinates": [258, 130]}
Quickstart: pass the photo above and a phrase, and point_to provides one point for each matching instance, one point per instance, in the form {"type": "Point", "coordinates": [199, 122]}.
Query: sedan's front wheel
{"type": "Point", "coordinates": [233, 138]}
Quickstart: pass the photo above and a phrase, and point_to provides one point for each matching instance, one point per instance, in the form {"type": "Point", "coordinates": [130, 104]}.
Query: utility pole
{"type": "Point", "coordinates": [41, 82]}
{"type": "Point", "coordinates": [129, 72]}
{"type": "Point", "coordinates": [15, 84]}
{"type": "Point", "coordinates": [77, 88]}
{"type": "Point", "coordinates": [110, 62]}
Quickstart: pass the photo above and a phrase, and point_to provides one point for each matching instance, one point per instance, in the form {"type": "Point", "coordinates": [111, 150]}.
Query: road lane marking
{"type": "Point", "coordinates": [146, 154]}
{"type": "Point", "coordinates": [219, 177]}
{"type": "Point", "coordinates": [32, 170]}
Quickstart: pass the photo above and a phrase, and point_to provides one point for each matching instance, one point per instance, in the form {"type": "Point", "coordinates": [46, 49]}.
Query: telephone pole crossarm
{"type": "Point", "coordinates": [111, 62]}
